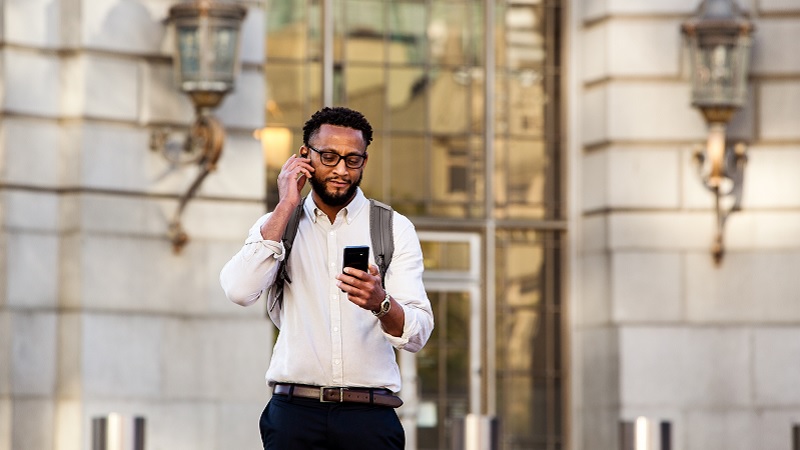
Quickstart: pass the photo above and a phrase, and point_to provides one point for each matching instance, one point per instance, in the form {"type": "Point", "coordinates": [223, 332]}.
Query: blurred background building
{"type": "Point", "coordinates": [544, 150]}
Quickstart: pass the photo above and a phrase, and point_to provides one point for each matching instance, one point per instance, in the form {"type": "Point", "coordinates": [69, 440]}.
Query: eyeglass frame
{"type": "Point", "coordinates": [321, 153]}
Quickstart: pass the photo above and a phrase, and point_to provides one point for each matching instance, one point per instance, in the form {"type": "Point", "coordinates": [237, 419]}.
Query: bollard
{"type": "Point", "coordinates": [118, 432]}
{"type": "Point", "coordinates": [645, 434]}
{"type": "Point", "coordinates": [475, 432]}
{"type": "Point", "coordinates": [796, 437]}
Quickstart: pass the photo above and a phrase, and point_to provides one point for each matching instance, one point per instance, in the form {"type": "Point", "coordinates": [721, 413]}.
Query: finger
{"type": "Point", "coordinates": [373, 270]}
{"type": "Point", "coordinates": [288, 162]}
{"type": "Point", "coordinates": [347, 278]}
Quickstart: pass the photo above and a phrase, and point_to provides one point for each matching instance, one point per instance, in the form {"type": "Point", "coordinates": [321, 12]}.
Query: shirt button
{"type": "Point", "coordinates": [336, 361]}
{"type": "Point", "coordinates": [336, 329]}
{"type": "Point", "coordinates": [332, 233]}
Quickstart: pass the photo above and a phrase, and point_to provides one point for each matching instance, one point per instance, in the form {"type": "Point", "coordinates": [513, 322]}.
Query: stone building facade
{"type": "Point", "coordinates": [98, 315]}
{"type": "Point", "coordinates": [659, 330]}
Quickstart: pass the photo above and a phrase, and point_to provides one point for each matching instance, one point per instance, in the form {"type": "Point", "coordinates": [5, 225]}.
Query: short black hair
{"type": "Point", "coordinates": [339, 116]}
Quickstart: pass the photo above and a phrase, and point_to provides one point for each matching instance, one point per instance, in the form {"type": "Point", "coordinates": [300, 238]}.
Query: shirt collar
{"type": "Point", "coordinates": [349, 212]}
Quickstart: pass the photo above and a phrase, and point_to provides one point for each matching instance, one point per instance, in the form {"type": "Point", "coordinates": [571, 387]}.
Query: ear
{"type": "Point", "coordinates": [303, 151]}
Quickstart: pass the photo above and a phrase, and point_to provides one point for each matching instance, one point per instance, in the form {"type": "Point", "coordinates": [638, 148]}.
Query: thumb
{"type": "Point", "coordinates": [373, 270]}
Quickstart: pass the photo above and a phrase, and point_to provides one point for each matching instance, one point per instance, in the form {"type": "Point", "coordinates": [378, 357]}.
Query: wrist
{"type": "Point", "coordinates": [385, 307]}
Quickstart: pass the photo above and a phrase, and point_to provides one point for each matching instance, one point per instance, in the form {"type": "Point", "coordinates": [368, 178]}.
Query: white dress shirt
{"type": "Point", "coordinates": [325, 339]}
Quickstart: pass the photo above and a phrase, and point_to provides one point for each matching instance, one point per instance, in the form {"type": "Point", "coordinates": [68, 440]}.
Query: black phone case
{"type": "Point", "coordinates": [356, 256]}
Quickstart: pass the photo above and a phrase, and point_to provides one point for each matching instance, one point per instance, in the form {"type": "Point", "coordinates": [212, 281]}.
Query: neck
{"type": "Point", "coordinates": [330, 210]}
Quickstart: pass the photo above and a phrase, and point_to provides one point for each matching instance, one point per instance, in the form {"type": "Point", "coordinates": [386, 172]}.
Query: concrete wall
{"type": "Point", "coordinates": [658, 330]}
{"type": "Point", "coordinates": [97, 314]}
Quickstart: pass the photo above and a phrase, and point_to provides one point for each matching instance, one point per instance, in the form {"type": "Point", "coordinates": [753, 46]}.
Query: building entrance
{"type": "Point", "coordinates": [443, 382]}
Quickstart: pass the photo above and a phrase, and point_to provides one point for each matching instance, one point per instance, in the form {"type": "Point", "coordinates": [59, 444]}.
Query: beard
{"type": "Point", "coordinates": [332, 198]}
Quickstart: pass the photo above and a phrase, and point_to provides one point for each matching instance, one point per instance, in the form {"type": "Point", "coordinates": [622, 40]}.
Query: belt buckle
{"type": "Point", "coordinates": [322, 394]}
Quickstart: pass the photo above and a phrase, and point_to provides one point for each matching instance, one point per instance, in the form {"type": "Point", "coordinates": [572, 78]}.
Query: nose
{"type": "Point", "coordinates": [340, 167]}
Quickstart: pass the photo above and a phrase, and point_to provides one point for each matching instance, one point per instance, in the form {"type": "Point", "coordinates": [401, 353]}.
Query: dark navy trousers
{"type": "Point", "coordinates": [307, 424]}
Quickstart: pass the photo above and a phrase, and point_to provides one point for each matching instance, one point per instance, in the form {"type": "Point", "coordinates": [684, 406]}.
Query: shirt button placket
{"type": "Point", "coordinates": [335, 309]}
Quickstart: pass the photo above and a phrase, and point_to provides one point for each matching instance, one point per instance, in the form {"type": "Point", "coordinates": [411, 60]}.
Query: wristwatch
{"type": "Point", "coordinates": [386, 305]}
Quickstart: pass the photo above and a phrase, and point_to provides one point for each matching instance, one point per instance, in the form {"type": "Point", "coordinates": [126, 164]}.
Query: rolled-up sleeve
{"type": "Point", "coordinates": [404, 284]}
{"type": "Point", "coordinates": [253, 269]}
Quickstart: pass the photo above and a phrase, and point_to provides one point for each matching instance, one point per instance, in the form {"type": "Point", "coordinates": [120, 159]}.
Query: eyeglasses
{"type": "Point", "coordinates": [332, 159]}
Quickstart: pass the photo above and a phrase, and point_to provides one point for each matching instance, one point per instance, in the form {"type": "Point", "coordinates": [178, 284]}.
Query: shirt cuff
{"type": "Point", "coordinates": [259, 246]}
{"type": "Point", "coordinates": [410, 328]}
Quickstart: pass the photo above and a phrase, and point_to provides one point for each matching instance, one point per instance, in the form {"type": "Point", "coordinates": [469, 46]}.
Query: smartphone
{"type": "Point", "coordinates": [356, 256]}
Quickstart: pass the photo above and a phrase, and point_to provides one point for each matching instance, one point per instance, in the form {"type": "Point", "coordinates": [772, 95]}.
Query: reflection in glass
{"type": "Point", "coordinates": [365, 91]}
{"type": "Point", "coordinates": [443, 367]}
{"type": "Point", "coordinates": [407, 27]}
{"type": "Point", "coordinates": [407, 101]}
{"type": "Point", "coordinates": [446, 256]}
{"type": "Point", "coordinates": [448, 31]}
{"type": "Point", "coordinates": [363, 25]}
{"type": "Point", "coordinates": [526, 104]}
{"type": "Point", "coordinates": [293, 89]}
{"type": "Point", "coordinates": [287, 29]}
{"type": "Point", "coordinates": [450, 92]}
{"type": "Point", "coordinates": [521, 193]}
{"type": "Point", "coordinates": [527, 345]}
{"type": "Point", "coordinates": [408, 164]}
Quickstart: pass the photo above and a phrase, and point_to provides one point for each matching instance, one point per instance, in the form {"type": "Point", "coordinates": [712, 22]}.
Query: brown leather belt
{"type": "Point", "coordinates": [326, 394]}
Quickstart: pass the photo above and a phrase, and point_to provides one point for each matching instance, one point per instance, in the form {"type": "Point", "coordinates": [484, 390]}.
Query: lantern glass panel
{"type": "Point", "coordinates": [189, 53]}
{"type": "Point", "coordinates": [208, 52]}
{"type": "Point", "coordinates": [719, 72]}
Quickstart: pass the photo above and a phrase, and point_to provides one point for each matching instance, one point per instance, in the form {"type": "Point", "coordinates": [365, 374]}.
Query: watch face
{"type": "Point", "coordinates": [386, 304]}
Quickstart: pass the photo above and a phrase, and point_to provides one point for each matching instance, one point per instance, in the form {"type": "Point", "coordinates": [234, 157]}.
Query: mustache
{"type": "Point", "coordinates": [345, 179]}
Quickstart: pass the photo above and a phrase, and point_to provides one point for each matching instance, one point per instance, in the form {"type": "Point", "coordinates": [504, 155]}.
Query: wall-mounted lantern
{"type": "Point", "coordinates": [207, 41]}
{"type": "Point", "coordinates": [718, 38]}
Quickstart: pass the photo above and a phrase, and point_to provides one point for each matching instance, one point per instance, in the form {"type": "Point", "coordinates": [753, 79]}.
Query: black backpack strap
{"type": "Point", "coordinates": [382, 231]}
{"type": "Point", "coordinates": [288, 238]}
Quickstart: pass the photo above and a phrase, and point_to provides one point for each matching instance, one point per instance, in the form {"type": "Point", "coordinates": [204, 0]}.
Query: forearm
{"type": "Point", "coordinates": [393, 321]}
{"type": "Point", "coordinates": [272, 229]}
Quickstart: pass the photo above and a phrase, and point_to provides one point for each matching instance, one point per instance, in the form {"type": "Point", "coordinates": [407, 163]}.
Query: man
{"type": "Point", "coordinates": [338, 328]}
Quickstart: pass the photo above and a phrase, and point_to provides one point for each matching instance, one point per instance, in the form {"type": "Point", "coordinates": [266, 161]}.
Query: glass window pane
{"type": "Point", "coordinates": [523, 46]}
{"type": "Point", "coordinates": [526, 104]}
{"type": "Point", "coordinates": [450, 92]}
{"type": "Point", "coordinates": [365, 90]}
{"type": "Point", "coordinates": [287, 30]}
{"type": "Point", "coordinates": [450, 162]}
{"type": "Point", "coordinates": [428, 368]}
{"type": "Point", "coordinates": [522, 192]}
{"type": "Point", "coordinates": [364, 23]}
{"type": "Point", "coordinates": [292, 89]}
{"type": "Point", "coordinates": [457, 323]}
{"type": "Point", "coordinates": [449, 34]}
{"type": "Point", "coordinates": [517, 416]}
{"type": "Point", "coordinates": [446, 256]}
{"type": "Point", "coordinates": [408, 173]}
{"type": "Point", "coordinates": [408, 32]}
{"type": "Point", "coordinates": [374, 182]}
{"type": "Point", "coordinates": [407, 101]}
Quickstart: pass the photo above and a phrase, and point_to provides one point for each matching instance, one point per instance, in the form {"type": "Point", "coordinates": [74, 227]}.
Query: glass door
{"type": "Point", "coordinates": [442, 383]}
